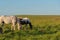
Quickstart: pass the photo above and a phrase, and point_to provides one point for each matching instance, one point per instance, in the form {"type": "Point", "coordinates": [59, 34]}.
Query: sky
{"type": "Point", "coordinates": [29, 7]}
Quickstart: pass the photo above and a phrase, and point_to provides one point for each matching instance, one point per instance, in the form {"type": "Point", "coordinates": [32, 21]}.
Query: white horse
{"type": "Point", "coordinates": [10, 19]}
{"type": "Point", "coordinates": [25, 21]}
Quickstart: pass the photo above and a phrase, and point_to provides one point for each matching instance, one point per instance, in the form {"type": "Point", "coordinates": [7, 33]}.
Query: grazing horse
{"type": "Point", "coordinates": [25, 21]}
{"type": "Point", "coordinates": [10, 19]}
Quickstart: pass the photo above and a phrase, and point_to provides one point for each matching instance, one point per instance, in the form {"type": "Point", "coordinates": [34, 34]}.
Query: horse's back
{"type": "Point", "coordinates": [25, 21]}
{"type": "Point", "coordinates": [8, 19]}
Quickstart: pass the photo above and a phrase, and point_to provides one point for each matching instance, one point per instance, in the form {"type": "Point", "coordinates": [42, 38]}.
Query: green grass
{"type": "Point", "coordinates": [44, 28]}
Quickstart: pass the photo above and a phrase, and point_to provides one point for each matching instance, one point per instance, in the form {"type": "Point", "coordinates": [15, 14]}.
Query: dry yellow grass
{"type": "Point", "coordinates": [43, 19]}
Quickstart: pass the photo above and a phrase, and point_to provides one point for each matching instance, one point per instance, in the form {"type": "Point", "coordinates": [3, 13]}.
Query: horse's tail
{"type": "Point", "coordinates": [30, 25]}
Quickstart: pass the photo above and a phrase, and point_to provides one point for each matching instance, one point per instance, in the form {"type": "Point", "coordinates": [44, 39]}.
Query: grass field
{"type": "Point", "coordinates": [45, 27]}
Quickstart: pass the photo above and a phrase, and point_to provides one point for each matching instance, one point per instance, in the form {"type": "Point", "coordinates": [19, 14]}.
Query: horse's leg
{"type": "Point", "coordinates": [13, 26]}
{"type": "Point", "coordinates": [19, 26]}
{"type": "Point", "coordinates": [1, 28]}
{"type": "Point", "coordinates": [30, 25]}
{"type": "Point", "coordinates": [26, 25]}
{"type": "Point", "coordinates": [2, 24]}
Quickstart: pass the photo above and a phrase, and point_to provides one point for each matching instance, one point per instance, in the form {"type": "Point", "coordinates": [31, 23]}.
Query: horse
{"type": "Point", "coordinates": [25, 21]}
{"type": "Point", "coordinates": [9, 20]}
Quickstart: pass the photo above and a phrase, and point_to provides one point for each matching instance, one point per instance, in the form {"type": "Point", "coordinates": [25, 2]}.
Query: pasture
{"type": "Point", "coordinates": [45, 27]}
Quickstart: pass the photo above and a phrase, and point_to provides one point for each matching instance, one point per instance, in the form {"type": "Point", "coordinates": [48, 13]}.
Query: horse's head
{"type": "Point", "coordinates": [20, 18]}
